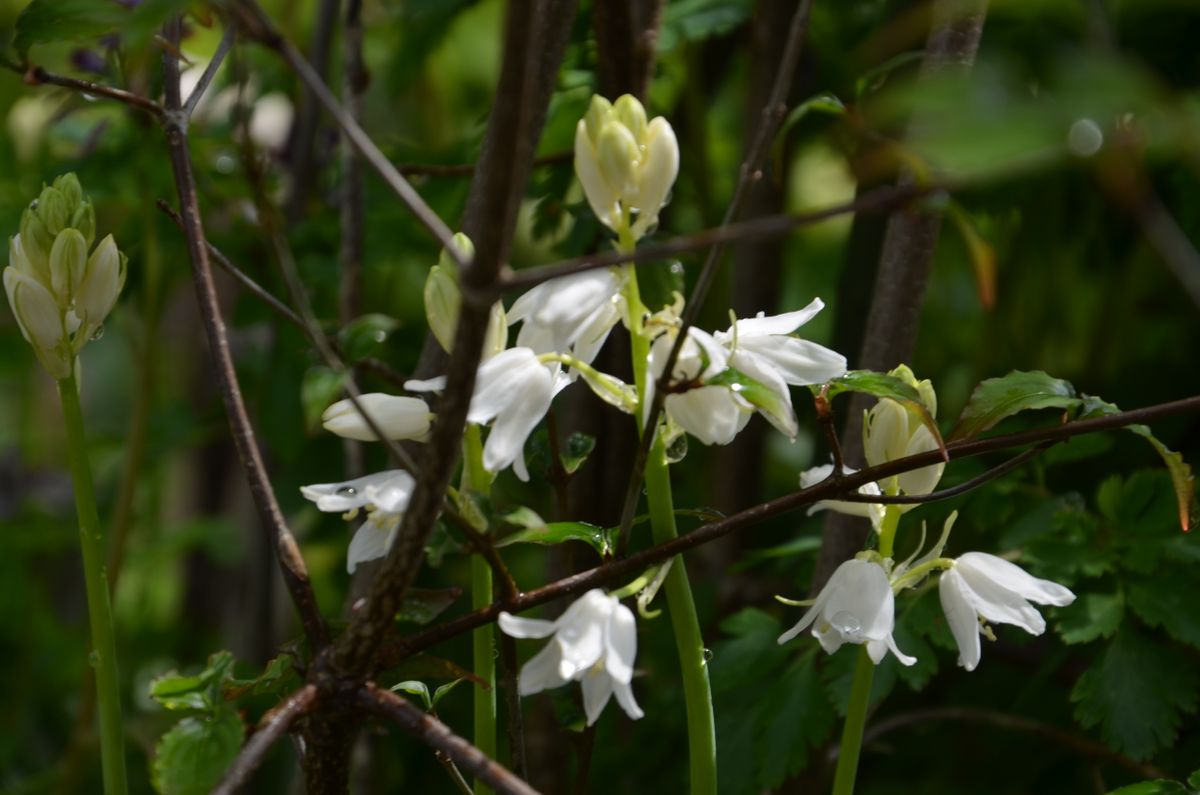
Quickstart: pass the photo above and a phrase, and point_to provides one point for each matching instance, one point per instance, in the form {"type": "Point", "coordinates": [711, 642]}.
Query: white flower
{"type": "Point", "coordinates": [870, 510]}
{"type": "Point", "coordinates": [855, 606]}
{"type": "Point", "coordinates": [625, 163]}
{"type": "Point", "coordinates": [398, 417]}
{"type": "Point", "coordinates": [384, 495]}
{"type": "Point", "coordinates": [983, 586]}
{"type": "Point", "coordinates": [892, 431]}
{"type": "Point", "coordinates": [764, 349]}
{"type": "Point", "coordinates": [514, 389]}
{"type": "Point", "coordinates": [713, 414]}
{"type": "Point", "coordinates": [571, 314]}
{"type": "Point", "coordinates": [594, 643]}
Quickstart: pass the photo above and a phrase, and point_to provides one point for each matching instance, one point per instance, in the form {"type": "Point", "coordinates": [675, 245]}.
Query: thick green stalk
{"type": "Point", "coordinates": [104, 645]}
{"type": "Point", "coordinates": [860, 688]}
{"type": "Point", "coordinates": [477, 479]}
{"type": "Point", "coordinates": [702, 737]}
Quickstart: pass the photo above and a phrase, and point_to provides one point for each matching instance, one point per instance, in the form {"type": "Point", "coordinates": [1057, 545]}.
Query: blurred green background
{"type": "Point", "coordinates": [1078, 116]}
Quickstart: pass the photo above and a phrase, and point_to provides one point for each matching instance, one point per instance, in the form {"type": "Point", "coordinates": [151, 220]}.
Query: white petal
{"type": "Point", "coordinates": [659, 167]}
{"type": "Point", "coordinates": [525, 627]}
{"type": "Point", "coordinates": [351, 494]}
{"type": "Point", "coordinates": [597, 689]}
{"type": "Point", "coordinates": [624, 694]}
{"type": "Point", "coordinates": [998, 604]}
{"type": "Point", "coordinates": [600, 195]}
{"type": "Point", "coordinates": [925, 479]}
{"type": "Point", "coordinates": [762, 371]}
{"type": "Point", "coordinates": [621, 643]}
{"type": "Point", "coordinates": [501, 381]}
{"type": "Point", "coordinates": [885, 432]}
{"type": "Point", "coordinates": [867, 510]}
{"type": "Point", "coordinates": [877, 650]}
{"type": "Point", "coordinates": [391, 495]}
{"type": "Point", "coordinates": [506, 443]}
{"type": "Point", "coordinates": [709, 413]}
{"type": "Point", "coordinates": [799, 362]}
{"type": "Point", "coordinates": [398, 417]}
{"type": "Point", "coordinates": [572, 299]}
{"type": "Point", "coordinates": [581, 632]}
{"type": "Point", "coordinates": [435, 384]}
{"type": "Point", "coordinates": [541, 672]}
{"type": "Point", "coordinates": [961, 616]}
{"type": "Point", "coordinates": [1014, 578]}
{"type": "Point", "coordinates": [372, 540]}
{"type": "Point", "coordinates": [905, 659]}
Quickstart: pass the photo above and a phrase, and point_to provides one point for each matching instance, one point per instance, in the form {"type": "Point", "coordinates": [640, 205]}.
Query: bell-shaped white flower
{"type": "Point", "coordinates": [515, 389]}
{"type": "Point", "coordinates": [766, 349]}
{"type": "Point", "coordinates": [571, 314]}
{"type": "Point", "coordinates": [982, 587]}
{"type": "Point", "coordinates": [594, 643]}
{"type": "Point", "coordinates": [713, 414]}
{"type": "Point", "coordinates": [856, 606]}
{"type": "Point", "coordinates": [892, 431]}
{"type": "Point", "coordinates": [625, 163]}
{"type": "Point", "coordinates": [384, 496]}
{"type": "Point", "coordinates": [398, 418]}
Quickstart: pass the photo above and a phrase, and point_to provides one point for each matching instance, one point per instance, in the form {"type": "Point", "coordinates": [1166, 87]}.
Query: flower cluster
{"type": "Point", "coordinates": [59, 293]}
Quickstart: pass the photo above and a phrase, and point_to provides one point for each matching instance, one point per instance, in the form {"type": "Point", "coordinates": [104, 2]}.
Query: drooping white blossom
{"type": "Point", "coordinates": [384, 496]}
{"type": "Point", "coordinates": [982, 587]}
{"type": "Point", "coordinates": [572, 314]}
{"type": "Point", "coordinates": [594, 643]}
{"type": "Point", "coordinates": [714, 414]}
{"type": "Point", "coordinates": [892, 431]}
{"type": "Point", "coordinates": [856, 606]}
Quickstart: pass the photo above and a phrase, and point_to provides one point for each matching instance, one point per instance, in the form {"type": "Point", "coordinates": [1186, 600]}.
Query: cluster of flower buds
{"type": "Point", "coordinates": [625, 163]}
{"type": "Point", "coordinates": [59, 293]}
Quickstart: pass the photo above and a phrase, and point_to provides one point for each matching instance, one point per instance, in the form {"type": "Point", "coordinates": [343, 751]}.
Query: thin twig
{"type": "Point", "coordinates": [825, 417]}
{"type": "Point", "coordinates": [255, 22]}
{"type": "Point", "coordinates": [751, 172]}
{"type": "Point", "coordinates": [1015, 723]}
{"type": "Point", "coordinates": [482, 543]}
{"type": "Point", "coordinates": [295, 573]}
{"type": "Point", "coordinates": [880, 200]}
{"type": "Point", "coordinates": [273, 725]}
{"type": "Point", "coordinates": [468, 169]}
{"type": "Point", "coordinates": [210, 72]}
{"type": "Point", "coordinates": [953, 491]}
{"type": "Point", "coordinates": [36, 75]}
{"type": "Point", "coordinates": [829, 489]}
{"type": "Point", "coordinates": [438, 736]}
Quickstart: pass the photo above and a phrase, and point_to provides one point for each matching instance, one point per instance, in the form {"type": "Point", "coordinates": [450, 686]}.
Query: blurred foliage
{"type": "Point", "coordinates": [1073, 115]}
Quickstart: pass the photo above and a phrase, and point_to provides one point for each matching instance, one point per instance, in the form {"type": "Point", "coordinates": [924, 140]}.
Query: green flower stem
{"type": "Point", "coordinates": [104, 644]}
{"type": "Point", "coordinates": [860, 688]}
{"type": "Point", "coordinates": [477, 479]}
{"type": "Point", "coordinates": [702, 737]}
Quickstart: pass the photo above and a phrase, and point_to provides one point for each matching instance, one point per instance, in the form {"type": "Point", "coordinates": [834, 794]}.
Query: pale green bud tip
{"type": "Point", "coordinates": [68, 261]}
{"type": "Point", "coordinates": [442, 300]}
{"type": "Point", "coordinates": [630, 112]}
{"type": "Point", "coordinates": [52, 209]}
{"type": "Point", "coordinates": [70, 189]}
{"type": "Point", "coordinates": [619, 156]}
{"type": "Point", "coordinates": [102, 283]}
{"type": "Point", "coordinates": [597, 116]}
{"type": "Point", "coordinates": [465, 248]}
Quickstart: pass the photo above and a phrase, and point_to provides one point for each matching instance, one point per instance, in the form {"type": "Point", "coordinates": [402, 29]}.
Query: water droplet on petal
{"type": "Point", "coordinates": [845, 622]}
{"type": "Point", "coordinates": [708, 655]}
{"type": "Point", "coordinates": [346, 491]}
{"type": "Point", "coordinates": [97, 333]}
{"type": "Point", "coordinates": [677, 449]}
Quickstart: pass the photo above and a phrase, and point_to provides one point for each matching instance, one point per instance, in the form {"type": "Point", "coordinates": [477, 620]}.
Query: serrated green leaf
{"type": "Point", "coordinates": [413, 687]}
{"type": "Point", "coordinates": [559, 532]}
{"type": "Point", "coordinates": [1167, 602]}
{"type": "Point", "coordinates": [996, 399]}
{"type": "Point", "coordinates": [1092, 616]}
{"type": "Point", "coordinates": [1160, 786]}
{"type": "Point", "coordinates": [1137, 693]}
{"type": "Point", "coordinates": [837, 671]}
{"type": "Point", "coordinates": [200, 691]}
{"type": "Point", "coordinates": [796, 718]}
{"type": "Point", "coordinates": [882, 385]}
{"type": "Point", "coordinates": [422, 605]}
{"type": "Point", "coordinates": [363, 336]}
{"type": "Point", "coordinates": [751, 651]}
{"type": "Point", "coordinates": [319, 389]}
{"type": "Point", "coordinates": [191, 758]}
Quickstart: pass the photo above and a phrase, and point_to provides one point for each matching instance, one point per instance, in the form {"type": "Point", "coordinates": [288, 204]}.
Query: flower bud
{"type": "Point", "coordinates": [398, 418]}
{"type": "Point", "coordinates": [628, 111]}
{"type": "Point", "coordinates": [101, 284]}
{"type": "Point", "coordinates": [442, 300]}
{"type": "Point", "coordinates": [53, 211]}
{"type": "Point", "coordinates": [598, 114]}
{"type": "Point", "coordinates": [68, 187]}
{"type": "Point", "coordinates": [659, 167]}
{"type": "Point", "coordinates": [619, 157]}
{"type": "Point", "coordinates": [600, 195]}
{"type": "Point", "coordinates": [40, 320]}
{"type": "Point", "coordinates": [68, 261]}
{"type": "Point", "coordinates": [36, 242]}
{"type": "Point", "coordinates": [84, 220]}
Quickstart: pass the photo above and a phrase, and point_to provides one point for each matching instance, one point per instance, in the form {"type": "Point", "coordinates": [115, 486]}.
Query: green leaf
{"type": "Point", "coordinates": [1160, 786]}
{"type": "Point", "coordinates": [191, 758]}
{"type": "Point", "coordinates": [422, 605]}
{"type": "Point", "coordinates": [882, 385]}
{"type": "Point", "coordinates": [796, 717]}
{"type": "Point", "coordinates": [750, 653]}
{"type": "Point", "coordinates": [65, 20]}
{"type": "Point", "coordinates": [363, 336]}
{"type": "Point", "coordinates": [1193, 780]}
{"type": "Point", "coordinates": [319, 389]}
{"type": "Point", "coordinates": [1182, 479]}
{"type": "Point", "coordinates": [523, 516]}
{"type": "Point", "coordinates": [995, 399]}
{"type": "Point", "coordinates": [658, 282]}
{"type": "Point", "coordinates": [579, 446]}
{"type": "Point", "coordinates": [444, 691]}
{"type": "Point", "coordinates": [1092, 616]}
{"type": "Point", "coordinates": [201, 691]}
{"type": "Point", "coordinates": [413, 687]}
{"type": "Point", "coordinates": [279, 675]}
{"type": "Point", "coordinates": [559, 532]}
{"type": "Point", "coordinates": [1168, 602]}
{"type": "Point", "coordinates": [1137, 693]}
{"type": "Point", "coordinates": [758, 394]}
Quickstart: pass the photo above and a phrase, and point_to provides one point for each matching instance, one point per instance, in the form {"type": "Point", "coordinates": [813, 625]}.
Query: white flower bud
{"type": "Point", "coordinates": [629, 112]}
{"type": "Point", "coordinates": [601, 197]}
{"type": "Point", "coordinates": [659, 167]}
{"type": "Point", "coordinates": [68, 261]}
{"type": "Point", "coordinates": [40, 320]}
{"type": "Point", "coordinates": [619, 156]}
{"type": "Point", "coordinates": [101, 285]}
{"type": "Point", "coordinates": [398, 417]}
{"type": "Point", "coordinates": [53, 211]}
{"type": "Point", "coordinates": [36, 243]}
{"type": "Point", "coordinates": [442, 301]}
{"type": "Point", "coordinates": [598, 113]}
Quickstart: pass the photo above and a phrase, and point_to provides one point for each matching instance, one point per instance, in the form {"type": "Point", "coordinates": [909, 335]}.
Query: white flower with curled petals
{"type": "Point", "coordinates": [398, 417]}
{"type": "Point", "coordinates": [856, 606]}
{"type": "Point", "coordinates": [572, 314]}
{"type": "Point", "coordinates": [594, 643]}
{"type": "Point", "coordinates": [984, 587]}
{"type": "Point", "coordinates": [714, 414]}
{"type": "Point", "coordinates": [384, 496]}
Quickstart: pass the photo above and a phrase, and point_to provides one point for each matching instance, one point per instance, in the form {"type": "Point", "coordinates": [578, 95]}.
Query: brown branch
{"type": "Point", "coordinates": [256, 24]}
{"type": "Point", "coordinates": [36, 76]}
{"type": "Point", "coordinates": [830, 489]}
{"type": "Point", "coordinates": [953, 491]}
{"type": "Point", "coordinates": [879, 200]}
{"type": "Point", "coordinates": [750, 173]}
{"type": "Point", "coordinates": [273, 726]}
{"type": "Point", "coordinates": [295, 573]}
{"type": "Point", "coordinates": [468, 169]}
{"type": "Point", "coordinates": [438, 736]}
{"type": "Point", "coordinates": [303, 136]}
{"type": "Point", "coordinates": [1015, 723]}
{"type": "Point", "coordinates": [210, 72]}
